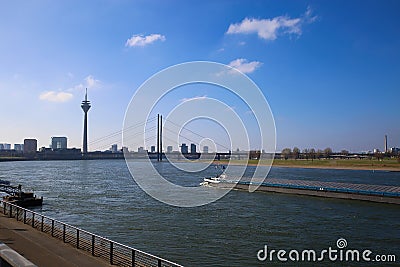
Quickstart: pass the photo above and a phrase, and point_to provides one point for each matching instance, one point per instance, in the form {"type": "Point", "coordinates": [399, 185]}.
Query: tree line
{"type": "Point", "coordinates": [307, 153]}
{"type": "Point", "coordinates": [312, 153]}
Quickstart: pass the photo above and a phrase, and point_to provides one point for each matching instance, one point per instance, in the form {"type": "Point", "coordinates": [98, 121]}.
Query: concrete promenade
{"type": "Point", "coordinates": [40, 248]}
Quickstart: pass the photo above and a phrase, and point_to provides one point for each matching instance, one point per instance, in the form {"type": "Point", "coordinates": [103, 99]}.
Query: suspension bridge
{"type": "Point", "coordinates": [146, 139]}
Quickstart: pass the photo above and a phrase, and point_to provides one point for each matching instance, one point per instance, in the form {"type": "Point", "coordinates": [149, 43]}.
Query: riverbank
{"type": "Point", "coordinates": [344, 164]}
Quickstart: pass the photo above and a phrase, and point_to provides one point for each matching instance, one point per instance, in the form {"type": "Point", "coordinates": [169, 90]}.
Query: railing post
{"type": "Point", "coordinates": [93, 245]}
{"type": "Point", "coordinates": [111, 252]}
{"type": "Point", "coordinates": [159, 262]}
{"type": "Point", "coordinates": [52, 227]}
{"type": "Point", "coordinates": [24, 216]}
{"type": "Point", "coordinates": [133, 258]}
{"type": "Point", "coordinates": [17, 213]}
{"type": "Point", "coordinates": [33, 220]}
{"type": "Point", "coordinates": [77, 238]}
{"type": "Point", "coordinates": [42, 224]}
{"type": "Point", "coordinates": [4, 208]}
{"type": "Point", "coordinates": [64, 233]}
{"type": "Point", "coordinates": [10, 211]}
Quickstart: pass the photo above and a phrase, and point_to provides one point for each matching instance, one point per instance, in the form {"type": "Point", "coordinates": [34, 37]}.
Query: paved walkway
{"type": "Point", "coordinates": [42, 249]}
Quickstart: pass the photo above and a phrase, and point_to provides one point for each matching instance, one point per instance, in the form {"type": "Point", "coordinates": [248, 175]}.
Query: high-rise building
{"type": "Point", "coordinates": [1, 146]}
{"type": "Point", "coordinates": [386, 144]}
{"type": "Point", "coordinates": [192, 148]}
{"type": "Point", "coordinates": [395, 150]}
{"type": "Point", "coordinates": [114, 148]}
{"type": "Point", "coordinates": [205, 149]}
{"type": "Point", "coordinates": [169, 149]}
{"type": "Point", "coordinates": [7, 146]}
{"type": "Point", "coordinates": [153, 149]}
{"type": "Point", "coordinates": [85, 107]}
{"type": "Point", "coordinates": [184, 149]}
{"type": "Point", "coordinates": [18, 147]}
{"type": "Point", "coordinates": [30, 146]}
{"type": "Point", "coordinates": [58, 142]}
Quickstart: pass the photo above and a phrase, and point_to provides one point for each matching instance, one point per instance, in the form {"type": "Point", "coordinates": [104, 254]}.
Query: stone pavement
{"type": "Point", "coordinates": [42, 249]}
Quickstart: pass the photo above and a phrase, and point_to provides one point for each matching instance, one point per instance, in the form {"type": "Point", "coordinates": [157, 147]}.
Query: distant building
{"type": "Point", "coordinates": [58, 142]}
{"type": "Point", "coordinates": [205, 149]}
{"type": "Point", "coordinates": [169, 149]}
{"type": "Point", "coordinates": [114, 148]}
{"type": "Point", "coordinates": [386, 144]}
{"type": "Point", "coordinates": [141, 150]}
{"type": "Point", "coordinates": [192, 148]}
{"type": "Point", "coordinates": [184, 149]}
{"type": "Point", "coordinates": [376, 150]}
{"type": "Point", "coordinates": [125, 149]}
{"type": "Point", "coordinates": [395, 150]}
{"type": "Point", "coordinates": [6, 146]}
{"type": "Point", "coordinates": [19, 147]}
{"type": "Point", "coordinates": [153, 149]}
{"type": "Point", "coordinates": [49, 153]}
{"type": "Point", "coordinates": [30, 146]}
{"type": "Point", "coordinates": [1, 146]}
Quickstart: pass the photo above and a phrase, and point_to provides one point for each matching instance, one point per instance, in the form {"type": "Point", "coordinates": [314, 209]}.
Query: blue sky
{"type": "Point", "coordinates": [330, 70]}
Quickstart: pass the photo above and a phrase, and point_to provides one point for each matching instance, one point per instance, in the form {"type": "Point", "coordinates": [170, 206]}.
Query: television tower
{"type": "Point", "coordinates": [85, 107]}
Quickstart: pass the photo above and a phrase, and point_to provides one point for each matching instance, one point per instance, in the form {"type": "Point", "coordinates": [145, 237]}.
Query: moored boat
{"type": "Point", "coordinates": [20, 198]}
{"type": "Point", "coordinates": [24, 199]}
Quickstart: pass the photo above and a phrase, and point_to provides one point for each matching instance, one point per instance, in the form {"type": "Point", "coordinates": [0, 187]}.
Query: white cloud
{"type": "Point", "coordinates": [140, 40]}
{"type": "Point", "coordinates": [269, 29]}
{"type": "Point", "coordinates": [194, 98]}
{"type": "Point", "coordinates": [54, 96]}
{"type": "Point", "coordinates": [65, 95]}
{"type": "Point", "coordinates": [308, 16]}
{"type": "Point", "coordinates": [244, 66]}
{"type": "Point", "coordinates": [265, 28]}
{"type": "Point", "coordinates": [91, 82]}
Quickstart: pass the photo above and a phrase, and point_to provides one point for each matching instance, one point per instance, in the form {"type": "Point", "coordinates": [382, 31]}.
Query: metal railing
{"type": "Point", "coordinates": [113, 252]}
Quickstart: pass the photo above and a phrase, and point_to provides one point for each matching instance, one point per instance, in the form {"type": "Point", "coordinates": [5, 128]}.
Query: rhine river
{"type": "Point", "coordinates": [100, 196]}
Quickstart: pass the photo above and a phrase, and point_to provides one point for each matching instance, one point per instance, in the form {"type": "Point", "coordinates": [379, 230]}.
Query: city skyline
{"type": "Point", "coordinates": [328, 70]}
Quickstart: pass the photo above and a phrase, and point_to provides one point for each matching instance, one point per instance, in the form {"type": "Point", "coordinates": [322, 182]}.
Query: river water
{"type": "Point", "coordinates": [101, 197]}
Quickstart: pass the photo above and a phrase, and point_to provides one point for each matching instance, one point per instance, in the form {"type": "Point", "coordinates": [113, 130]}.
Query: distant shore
{"type": "Point", "coordinates": [341, 164]}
